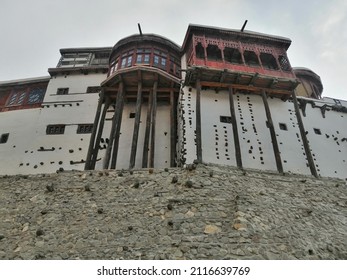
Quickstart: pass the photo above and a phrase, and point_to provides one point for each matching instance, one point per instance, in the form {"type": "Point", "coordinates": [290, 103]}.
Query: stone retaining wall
{"type": "Point", "coordinates": [207, 212]}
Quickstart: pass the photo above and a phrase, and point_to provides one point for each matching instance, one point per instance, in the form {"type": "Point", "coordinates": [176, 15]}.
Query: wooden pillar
{"type": "Point", "coordinates": [198, 122]}
{"type": "Point", "coordinates": [153, 124]}
{"type": "Point", "coordinates": [147, 132]}
{"type": "Point", "coordinates": [95, 127]}
{"type": "Point", "coordinates": [113, 129]}
{"type": "Point", "coordinates": [136, 125]}
{"type": "Point", "coordinates": [173, 129]}
{"type": "Point", "coordinates": [235, 131]}
{"type": "Point", "coordinates": [272, 133]}
{"type": "Point", "coordinates": [118, 121]}
{"type": "Point", "coordinates": [99, 134]}
{"type": "Point", "coordinates": [303, 136]}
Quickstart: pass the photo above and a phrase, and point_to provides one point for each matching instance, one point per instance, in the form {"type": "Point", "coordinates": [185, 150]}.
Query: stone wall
{"type": "Point", "coordinates": [203, 212]}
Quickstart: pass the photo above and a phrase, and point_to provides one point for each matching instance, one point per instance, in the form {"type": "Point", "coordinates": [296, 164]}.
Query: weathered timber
{"type": "Point", "coordinates": [173, 133]}
{"type": "Point", "coordinates": [303, 136]}
{"type": "Point", "coordinates": [136, 125]}
{"type": "Point", "coordinates": [235, 131]}
{"type": "Point", "coordinates": [147, 132]}
{"type": "Point", "coordinates": [272, 133]}
{"type": "Point", "coordinates": [95, 127]}
{"type": "Point", "coordinates": [153, 124]}
{"type": "Point", "coordinates": [99, 134]}
{"type": "Point", "coordinates": [198, 122]}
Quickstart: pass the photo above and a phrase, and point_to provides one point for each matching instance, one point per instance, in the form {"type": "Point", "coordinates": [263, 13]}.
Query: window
{"type": "Point", "coordinates": [114, 66]}
{"type": "Point", "coordinates": [283, 126]}
{"type": "Point", "coordinates": [214, 53]}
{"type": "Point", "coordinates": [36, 95]}
{"type": "Point", "coordinates": [74, 60]}
{"type": "Point", "coordinates": [93, 89]}
{"type": "Point", "coordinates": [131, 115]}
{"type": "Point", "coordinates": [17, 98]}
{"type": "Point", "coordinates": [84, 128]}
{"type": "Point", "coordinates": [317, 131]}
{"type": "Point", "coordinates": [268, 61]}
{"type": "Point", "coordinates": [225, 119]}
{"type": "Point", "coordinates": [199, 51]}
{"type": "Point", "coordinates": [4, 138]}
{"type": "Point", "coordinates": [127, 58]}
{"type": "Point", "coordinates": [251, 58]}
{"type": "Point", "coordinates": [232, 55]}
{"type": "Point", "coordinates": [55, 129]}
{"type": "Point", "coordinates": [100, 58]}
{"type": "Point", "coordinates": [62, 91]}
{"type": "Point", "coordinates": [284, 63]}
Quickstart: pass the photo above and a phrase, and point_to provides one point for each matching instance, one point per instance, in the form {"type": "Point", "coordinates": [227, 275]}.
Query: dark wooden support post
{"type": "Point", "coordinates": [235, 131]}
{"type": "Point", "coordinates": [95, 127]}
{"type": "Point", "coordinates": [198, 122]}
{"type": "Point", "coordinates": [173, 129]}
{"type": "Point", "coordinates": [303, 136]}
{"type": "Point", "coordinates": [118, 121]}
{"type": "Point", "coordinates": [153, 123]}
{"type": "Point", "coordinates": [272, 133]}
{"type": "Point", "coordinates": [99, 134]}
{"type": "Point", "coordinates": [113, 129]}
{"type": "Point", "coordinates": [147, 132]}
{"type": "Point", "coordinates": [136, 125]}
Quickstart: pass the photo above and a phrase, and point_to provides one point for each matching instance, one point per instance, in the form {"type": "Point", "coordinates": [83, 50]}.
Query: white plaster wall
{"type": "Point", "coordinates": [217, 137]}
{"type": "Point", "coordinates": [255, 140]}
{"type": "Point", "coordinates": [162, 136]}
{"type": "Point", "coordinates": [21, 126]}
{"type": "Point", "coordinates": [289, 141]}
{"type": "Point", "coordinates": [27, 129]}
{"type": "Point", "coordinates": [187, 123]}
{"type": "Point", "coordinates": [77, 83]}
{"type": "Point", "coordinates": [329, 150]}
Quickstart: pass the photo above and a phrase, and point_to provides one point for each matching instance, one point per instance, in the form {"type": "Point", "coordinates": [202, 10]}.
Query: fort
{"type": "Point", "coordinates": [215, 149]}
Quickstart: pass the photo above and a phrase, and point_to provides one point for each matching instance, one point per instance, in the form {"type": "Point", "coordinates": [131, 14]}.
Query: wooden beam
{"type": "Point", "coordinates": [272, 133]}
{"type": "Point", "coordinates": [303, 136]}
{"type": "Point", "coordinates": [95, 127]}
{"type": "Point", "coordinates": [118, 121]}
{"type": "Point", "coordinates": [136, 125]}
{"type": "Point", "coordinates": [173, 129]}
{"type": "Point", "coordinates": [98, 137]}
{"type": "Point", "coordinates": [147, 132]}
{"type": "Point", "coordinates": [153, 124]}
{"type": "Point", "coordinates": [113, 129]}
{"type": "Point", "coordinates": [198, 121]}
{"type": "Point", "coordinates": [245, 87]}
{"type": "Point", "coordinates": [235, 131]}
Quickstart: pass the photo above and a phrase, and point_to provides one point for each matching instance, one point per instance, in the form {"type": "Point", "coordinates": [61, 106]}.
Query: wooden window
{"type": "Point", "coordinates": [127, 58]}
{"type": "Point", "coordinates": [93, 89]}
{"type": "Point", "coordinates": [17, 98]}
{"type": "Point", "coordinates": [284, 63]}
{"type": "Point", "coordinates": [199, 51]}
{"type": "Point", "coordinates": [84, 128]}
{"type": "Point", "coordinates": [4, 138]}
{"type": "Point", "coordinates": [214, 53]}
{"type": "Point", "coordinates": [55, 129]}
{"type": "Point", "coordinates": [251, 58]}
{"type": "Point", "coordinates": [268, 61]}
{"type": "Point", "coordinates": [232, 55]}
{"type": "Point", "coordinates": [62, 91]}
{"type": "Point", "coordinates": [225, 119]}
{"type": "Point", "coordinates": [36, 95]}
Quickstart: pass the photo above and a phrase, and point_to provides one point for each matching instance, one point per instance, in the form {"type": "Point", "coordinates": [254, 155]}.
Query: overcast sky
{"type": "Point", "coordinates": [32, 32]}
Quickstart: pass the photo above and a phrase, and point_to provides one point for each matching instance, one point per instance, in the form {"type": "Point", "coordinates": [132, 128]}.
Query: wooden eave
{"type": "Point", "coordinates": [147, 76]}
{"type": "Point", "coordinates": [83, 70]}
{"type": "Point", "coordinates": [255, 82]}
